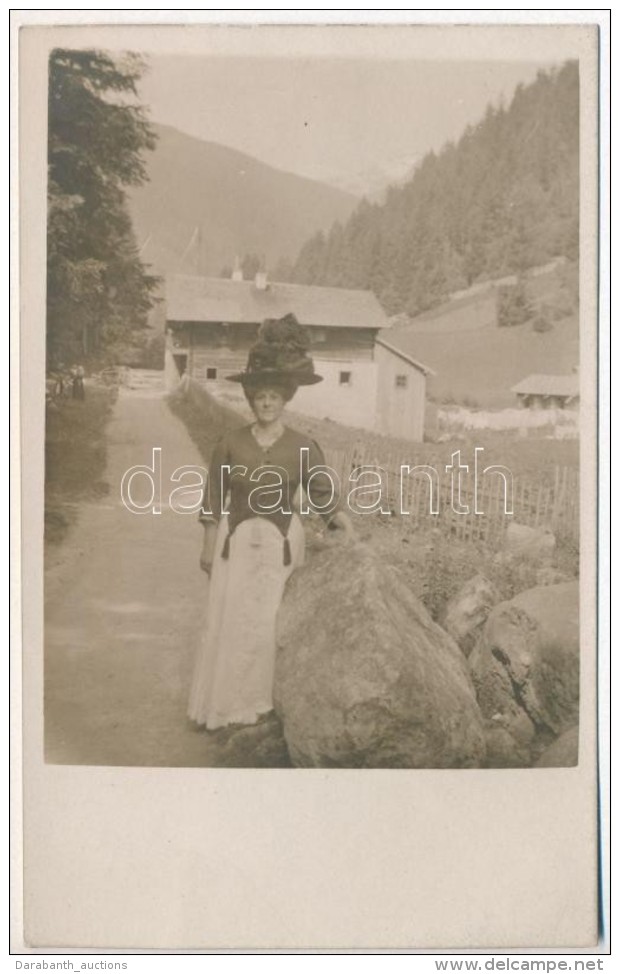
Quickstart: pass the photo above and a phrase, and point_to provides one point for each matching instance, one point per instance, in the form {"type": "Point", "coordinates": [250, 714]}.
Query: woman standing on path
{"type": "Point", "coordinates": [253, 537]}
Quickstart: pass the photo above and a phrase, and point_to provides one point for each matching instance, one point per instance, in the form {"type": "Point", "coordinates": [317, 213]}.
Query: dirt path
{"type": "Point", "coordinates": [123, 606]}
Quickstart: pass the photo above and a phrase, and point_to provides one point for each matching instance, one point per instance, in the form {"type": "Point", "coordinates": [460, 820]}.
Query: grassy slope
{"type": "Point", "coordinates": [205, 418]}
{"type": "Point", "coordinates": [75, 457]}
{"type": "Point", "coordinates": [478, 365]}
{"type": "Point", "coordinates": [483, 366]}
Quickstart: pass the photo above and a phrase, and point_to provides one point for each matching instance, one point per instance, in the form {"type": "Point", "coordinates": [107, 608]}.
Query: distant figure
{"type": "Point", "coordinates": [77, 381]}
{"type": "Point", "coordinates": [59, 380]}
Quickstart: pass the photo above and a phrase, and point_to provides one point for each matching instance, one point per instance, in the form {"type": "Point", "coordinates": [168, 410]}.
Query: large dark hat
{"type": "Point", "coordinates": [279, 353]}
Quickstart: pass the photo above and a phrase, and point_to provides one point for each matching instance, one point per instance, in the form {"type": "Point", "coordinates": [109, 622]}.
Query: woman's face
{"type": "Point", "coordinates": [267, 405]}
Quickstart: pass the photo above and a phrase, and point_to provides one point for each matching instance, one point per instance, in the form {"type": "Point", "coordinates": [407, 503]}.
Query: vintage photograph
{"type": "Point", "coordinates": [309, 647]}
{"type": "Point", "coordinates": [312, 410]}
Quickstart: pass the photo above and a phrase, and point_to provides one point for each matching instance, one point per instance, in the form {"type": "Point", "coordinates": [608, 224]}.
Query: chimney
{"type": "Point", "coordinates": [260, 281]}
{"type": "Point", "coordinates": [237, 274]}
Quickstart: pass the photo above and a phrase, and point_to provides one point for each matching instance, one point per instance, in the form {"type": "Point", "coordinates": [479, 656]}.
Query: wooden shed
{"type": "Point", "coordinates": [548, 391]}
{"type": "Point", "coordinates": [401, 399]}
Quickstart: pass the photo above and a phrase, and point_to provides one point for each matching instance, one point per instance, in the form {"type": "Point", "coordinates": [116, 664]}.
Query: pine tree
{"type": "Point", "coordinates": [503, 199]}
{"type": "Point", "coordinates": [98, 290]}
{"type": "Point", "coordinates": [513, 305]}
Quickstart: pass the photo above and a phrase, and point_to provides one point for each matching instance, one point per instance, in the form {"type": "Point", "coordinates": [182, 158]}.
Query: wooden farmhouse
{"type": "Point", "coordinates": [212, 322]}
{"type": "Point", "coordinates": [548, 391]}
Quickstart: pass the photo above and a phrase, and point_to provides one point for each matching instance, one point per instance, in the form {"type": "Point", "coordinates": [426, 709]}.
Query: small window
{"type": "Point", "coordinates": [211, 373]}
{"type": "Point", "coordinates": [401, 381]}
{"type": "Point", "coordinates": [345, 379]}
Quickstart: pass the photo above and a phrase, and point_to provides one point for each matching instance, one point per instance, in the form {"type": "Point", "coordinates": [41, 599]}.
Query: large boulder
{"type": "Point", "coordinates": [364, 677]}
{"type": "Point", "coordinates": [525, 666]}
{"type": "Point", "coordinates": [563, 753]}
{"type": "Point", "coordinates": [259, 745]}
{"type": "Point", "coordinates": [504, 750]}
{"type": "Point", "coordinates": [466, 613]}
{"type": "Point", "coordinates": [551, 576]}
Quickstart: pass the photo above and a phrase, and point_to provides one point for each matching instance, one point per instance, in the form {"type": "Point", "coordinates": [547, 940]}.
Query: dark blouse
{"type": "Point", "coordinates": [248, 480]}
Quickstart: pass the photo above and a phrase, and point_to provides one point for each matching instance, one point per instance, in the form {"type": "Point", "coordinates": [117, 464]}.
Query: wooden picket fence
{"type": "Point", "coordinates": [553, 506]}
{"type": "Point", "coordinates": [546, 506]}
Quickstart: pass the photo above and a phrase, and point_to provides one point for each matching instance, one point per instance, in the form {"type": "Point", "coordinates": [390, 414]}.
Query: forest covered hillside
{"type": "Point", "coordinates": [503, 199]}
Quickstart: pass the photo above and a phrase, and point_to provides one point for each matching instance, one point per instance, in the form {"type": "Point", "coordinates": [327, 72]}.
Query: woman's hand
{"type": "Point", "coordinates": [208, 547]}
{"type": "Point", "coordinates": [342, 523]}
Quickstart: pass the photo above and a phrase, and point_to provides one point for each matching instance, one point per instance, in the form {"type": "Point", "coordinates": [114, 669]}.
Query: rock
{"type": "Point", "coordinates": [535, 544]}
{"type": "Point", "coordinates": [504, 750]}
{"type": "Point", "coordinates": [525, 667]}
{"type": "Point", "coordinates": [563, 753]}
{"type": "Point", "coordinates": [551, 576]}
{"type": "Point", "coordinates": [467, 612]}
{"type": "Point", "coordinates": [259, 745]}
{"type": "Point", "coordinates": [364, 677]}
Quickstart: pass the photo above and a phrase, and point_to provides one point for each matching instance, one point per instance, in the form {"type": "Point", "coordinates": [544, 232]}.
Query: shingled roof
{"type": "Point", "coordinates": [221, 299]}
{"type": "Point", "coordinates": [548, 385]}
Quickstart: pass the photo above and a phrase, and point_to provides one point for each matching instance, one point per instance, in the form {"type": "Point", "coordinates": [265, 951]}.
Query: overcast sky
{"type": "Point", "coordinates": [323, 117]}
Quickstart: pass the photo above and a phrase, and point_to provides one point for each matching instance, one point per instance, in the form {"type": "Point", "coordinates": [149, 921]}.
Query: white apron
{"type": "Point", "coordinates": [233, 675]}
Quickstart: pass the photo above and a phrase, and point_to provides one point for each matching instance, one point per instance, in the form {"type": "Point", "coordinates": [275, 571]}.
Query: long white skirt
{"type": "Point", "coordinates": [233, 675]}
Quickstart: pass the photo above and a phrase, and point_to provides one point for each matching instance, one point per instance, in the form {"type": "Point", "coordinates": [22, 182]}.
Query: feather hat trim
{"type": "Point", "coordinates": [279, 352]}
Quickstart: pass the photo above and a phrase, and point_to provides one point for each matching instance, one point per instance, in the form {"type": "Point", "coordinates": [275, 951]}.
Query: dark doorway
{"type": "Point", "coordinates": [181, 363]}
